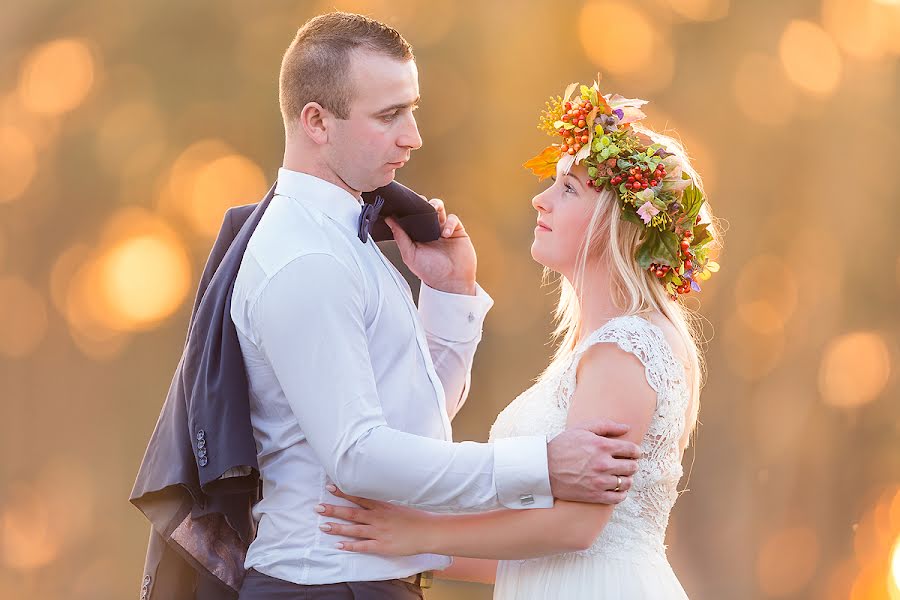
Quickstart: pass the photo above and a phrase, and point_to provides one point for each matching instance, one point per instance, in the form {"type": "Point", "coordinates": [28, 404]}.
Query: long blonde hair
{"type": "Point", "coordinates": [634, 290]}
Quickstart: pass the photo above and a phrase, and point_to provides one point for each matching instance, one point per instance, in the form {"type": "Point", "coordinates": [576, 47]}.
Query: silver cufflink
{"type": "Point", "coordinates": [526, 499]}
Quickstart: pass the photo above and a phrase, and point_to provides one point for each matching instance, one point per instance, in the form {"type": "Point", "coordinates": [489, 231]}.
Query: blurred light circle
{"type": "Point", "coordinates": [862, 28]}
{"type": "Point", "coordinates": [23, 318]}
{"type": "Point", "coordinates": [220, 184]}
{"type": "Point", "coordinates": [854, 369]}
{"type": "Point", "coordinates": [18, 162]}
{"type": "Point", "coordinates": [766, 293]}
{"type": "Point", "coordinates": [27, 541]}
{"type": "Point", "coordinates": [620, 50]}
{"type": "Point", "coordinates": [56, 77]}
{"type": "Point", "coordinates": [145, 278]}
{"type": "Point", "coordinates": [895, 566]}
{"type": "Point", "coordinates": [700, 10]}
{"type": "Point", "coordinates": [758, 72]}
{"type": "Point", "coordinates": [787, 561]}
{"type": "Point", "coordinates": [810, 57]}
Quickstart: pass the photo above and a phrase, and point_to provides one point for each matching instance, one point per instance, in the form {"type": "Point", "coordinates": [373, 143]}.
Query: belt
{"type": "Point", "coordinates": [423, 580]}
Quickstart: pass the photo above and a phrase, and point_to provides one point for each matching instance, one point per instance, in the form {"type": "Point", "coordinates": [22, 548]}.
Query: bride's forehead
{"type": "Point", "coordinates": [565, 164]}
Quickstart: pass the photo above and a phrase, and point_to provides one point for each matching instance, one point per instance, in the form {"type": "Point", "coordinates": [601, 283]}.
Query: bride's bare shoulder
{"type": "Point", "coordinates": [672, 335]}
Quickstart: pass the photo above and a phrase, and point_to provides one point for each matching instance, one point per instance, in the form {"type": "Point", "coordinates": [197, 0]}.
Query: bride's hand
{"type": "Point", "coordinates": [380, 527]}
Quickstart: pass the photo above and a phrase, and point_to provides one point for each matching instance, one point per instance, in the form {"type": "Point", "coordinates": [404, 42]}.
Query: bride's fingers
{"type": "Point", "coordinates": [345, 513]}
{"type": "Point", "coordinates": [364, 502]}
{"type": "Point", "coordinates": [368, 546]}
{"type": "Point", "coordinates": [363, 532]}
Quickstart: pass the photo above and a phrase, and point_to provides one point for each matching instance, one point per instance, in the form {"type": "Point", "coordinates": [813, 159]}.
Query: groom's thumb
{"type": "Point", "coordinates": [403, 240]}
{"type": "Point", "coordinates": [605, 428]}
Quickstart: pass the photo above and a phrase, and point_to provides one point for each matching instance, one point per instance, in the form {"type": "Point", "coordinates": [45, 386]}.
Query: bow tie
{"type": "Point", "coordinates": [367, 218]}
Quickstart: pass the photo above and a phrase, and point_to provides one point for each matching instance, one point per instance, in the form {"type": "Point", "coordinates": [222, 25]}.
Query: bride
{"type": "Point", "coordinates": [626, 225]}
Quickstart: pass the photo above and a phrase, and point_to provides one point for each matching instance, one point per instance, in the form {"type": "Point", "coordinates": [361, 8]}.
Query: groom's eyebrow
{"type": "Point", "coordinates": [393, 107]}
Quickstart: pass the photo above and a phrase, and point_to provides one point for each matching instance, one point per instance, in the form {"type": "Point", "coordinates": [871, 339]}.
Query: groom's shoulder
{"type": "Point", "coordinates": [285, 234]}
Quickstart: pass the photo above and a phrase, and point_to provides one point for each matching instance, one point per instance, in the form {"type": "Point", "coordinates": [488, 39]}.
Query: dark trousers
{"type": "Point", "coordinates": [258, 586]}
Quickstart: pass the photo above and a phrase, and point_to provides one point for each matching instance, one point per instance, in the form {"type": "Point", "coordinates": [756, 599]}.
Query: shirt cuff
{"type": "Point", "coordinates": [453, 317]}
{"type": "Point", "coordinates": [521, 472]}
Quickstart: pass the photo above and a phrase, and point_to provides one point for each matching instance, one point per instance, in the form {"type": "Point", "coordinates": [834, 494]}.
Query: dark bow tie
{"type": "Point", "coordinates": [368, 216]}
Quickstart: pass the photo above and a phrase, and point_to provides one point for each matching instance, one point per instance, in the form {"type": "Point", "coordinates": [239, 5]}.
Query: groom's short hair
{"type": "Point", "coordinates": [316, 66]}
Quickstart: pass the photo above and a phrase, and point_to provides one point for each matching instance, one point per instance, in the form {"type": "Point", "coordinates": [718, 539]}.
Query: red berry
{"type": "Point", "coordinates": [570, 151]}
{"type": "Point", "coordinates": [581, 122]}
{"type": "Point", "coordinates": [645, 185]}
{"type": "Point", "coordinates": [584, 139]}
{"type": "Point", "coordinates": [566, 118]}
{"type": "Point", "coordinates": [653, 182]}
{"type": "Point", "coordinates": [588, 106]}
{"type": "Point", "coordinates": [568, 106]}
{"type": "Point", "coordinates": [631, 178]}
{"type": "Point", "coordinates": [685, 245]}
{"type": "Point", "coordinates": [688, 265]}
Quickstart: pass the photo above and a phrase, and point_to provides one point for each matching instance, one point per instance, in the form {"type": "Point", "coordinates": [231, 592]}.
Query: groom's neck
{"type": "Point", "coordinates": [302, 160]}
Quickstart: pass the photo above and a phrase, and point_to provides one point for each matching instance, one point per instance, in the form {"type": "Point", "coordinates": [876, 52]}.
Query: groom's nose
{"type": "Point", "coordinates": [409, 137]}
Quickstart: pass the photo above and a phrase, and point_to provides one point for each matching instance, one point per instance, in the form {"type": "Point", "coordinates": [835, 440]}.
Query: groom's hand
{"type": "Point", "coordinates": [588, 463]}
{"type": "Point", "coordinates": [447, 264]}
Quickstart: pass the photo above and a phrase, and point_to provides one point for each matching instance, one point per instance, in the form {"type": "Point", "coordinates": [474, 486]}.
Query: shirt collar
{"type": "Point", "coordinates": [336, 202]}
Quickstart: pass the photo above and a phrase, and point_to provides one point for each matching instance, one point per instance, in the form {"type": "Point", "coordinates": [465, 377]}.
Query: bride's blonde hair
{"type": "Point", "coordinates": [635, 291]}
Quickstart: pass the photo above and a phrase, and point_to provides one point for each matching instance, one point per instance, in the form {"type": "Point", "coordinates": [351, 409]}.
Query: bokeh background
{"type": "Point", "coordinates": [128, 127]}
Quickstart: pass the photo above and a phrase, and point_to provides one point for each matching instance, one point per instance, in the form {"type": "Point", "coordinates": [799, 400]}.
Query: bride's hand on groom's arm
{"type": "Point", "coordinates": [447, 264]}
{"type": "Point", "coordinates": [587, 463]}
{"type": "Point", "coordinates": [380, 527]}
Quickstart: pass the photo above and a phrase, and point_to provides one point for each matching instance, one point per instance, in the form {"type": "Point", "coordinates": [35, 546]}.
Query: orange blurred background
{"type": "Point", "coordinates": [128, 128]}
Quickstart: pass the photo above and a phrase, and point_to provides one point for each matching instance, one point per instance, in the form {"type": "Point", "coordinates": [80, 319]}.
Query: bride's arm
{"type": "Point", "coordinates": [610, 384]}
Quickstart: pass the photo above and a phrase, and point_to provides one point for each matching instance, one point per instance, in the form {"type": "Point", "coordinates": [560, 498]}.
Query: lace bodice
{"type": "Point", "coordinates": [638, 524]}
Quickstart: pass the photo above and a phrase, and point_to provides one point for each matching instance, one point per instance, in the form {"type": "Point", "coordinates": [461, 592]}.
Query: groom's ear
{"type": "Point", "coordinates": [313, 122]}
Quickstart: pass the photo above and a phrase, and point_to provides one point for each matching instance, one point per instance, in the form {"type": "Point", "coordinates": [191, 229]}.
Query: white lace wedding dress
{"type": "Point", "coordinates": [628, 560]}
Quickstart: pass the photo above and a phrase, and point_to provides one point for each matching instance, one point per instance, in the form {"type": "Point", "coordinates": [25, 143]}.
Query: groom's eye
{"type": "Point", "coordinates": [389, 117]}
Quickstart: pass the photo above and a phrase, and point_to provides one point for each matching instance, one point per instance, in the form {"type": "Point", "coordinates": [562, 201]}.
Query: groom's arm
{"type": "Point", "coordinates": [453, 325]}
{"type": "Point", "coordinates": [309, 323]}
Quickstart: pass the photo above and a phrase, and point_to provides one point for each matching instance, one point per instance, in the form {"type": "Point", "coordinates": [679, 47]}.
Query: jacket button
{"type": "Point", "coordinates": [147, 580]}
{"type": "Point", "coordinates": [203, 461]}
{"type": "Point", "coordinates": [201, 435]}
{"type": "Point", "coordinates": [201, 452]}
{"type": "Point", "coordinates": [201, 444]}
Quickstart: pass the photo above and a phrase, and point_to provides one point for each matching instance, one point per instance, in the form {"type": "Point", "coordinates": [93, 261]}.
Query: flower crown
{"type": "Point", "coordinates": [653, 189]}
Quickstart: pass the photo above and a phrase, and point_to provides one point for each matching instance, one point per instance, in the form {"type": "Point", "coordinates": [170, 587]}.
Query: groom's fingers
{"type": "Point", "coordinates": [404, 242]}
{"type": "Point", "coordinates": [605, 427]}
{"type": "Point", "coordinates": [450, 226]}
{"type": "Point", "coordinates": [438, 205]}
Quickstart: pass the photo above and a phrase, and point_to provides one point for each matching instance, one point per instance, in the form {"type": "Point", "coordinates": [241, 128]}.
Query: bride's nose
{"type": "Point", "coordinates": [539, 202]}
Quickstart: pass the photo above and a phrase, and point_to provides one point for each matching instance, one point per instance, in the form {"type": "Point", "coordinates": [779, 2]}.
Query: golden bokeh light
{"type": "Point", "coordinates": [18, 162]}
{"type": "Point", "coordinates": [855, 369]}
{"type": "Point", "coordinates": [57, 77]}
{"type": "Point", "coordinates": [700, 10]}
{"type": "Point", "coordinates": [766, 293]}
{"type": "Point", "coordinates": [757, 76]}
{"type": "Point", "coordinates": [146, 279]}
{"type": "Point", "coordinates": [206, 179]}
{"type": "Point", "coordinates": [810, 57]}
{"type": "Point", "coordinates": [634, 49]}
{"type": "Point", "coordinates": [41, 130]}
{"type": "Point", "coordinates": [23, 318]}
{"type": "Point", "coordinates": [787, 561]}
{"type": "Point", "coordinates": [27, 540]}
{"type": "Point", "coordinates": [863, 28]}
{"type": "Point", "coordinates": [222, 183]}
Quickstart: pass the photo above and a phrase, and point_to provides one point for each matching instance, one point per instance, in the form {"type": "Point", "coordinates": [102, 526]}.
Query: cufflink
{"type": "Point", "coordinates": [526, 499]}
{"type": "Point", "coordinates": [145, 589]}
{"type": "Point", "coordinates": [471, 317]}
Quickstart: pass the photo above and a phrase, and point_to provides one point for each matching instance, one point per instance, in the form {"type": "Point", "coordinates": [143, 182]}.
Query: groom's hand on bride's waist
{"type": "Point", "coordinates": [447, 264]}
{"type": "Point", "coordinates": [589, 463]}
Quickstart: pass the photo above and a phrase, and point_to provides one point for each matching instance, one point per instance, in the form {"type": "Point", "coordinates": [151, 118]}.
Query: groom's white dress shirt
{"type": "Point", "coordinates": [351, 384]}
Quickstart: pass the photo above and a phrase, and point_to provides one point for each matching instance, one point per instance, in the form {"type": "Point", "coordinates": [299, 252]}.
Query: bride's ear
{"type": "Point", "coordinates": [314, 122]}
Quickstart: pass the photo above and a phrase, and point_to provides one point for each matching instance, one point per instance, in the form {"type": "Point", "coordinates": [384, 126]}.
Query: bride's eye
{"type": "Point", "coordinates": [570, 189]}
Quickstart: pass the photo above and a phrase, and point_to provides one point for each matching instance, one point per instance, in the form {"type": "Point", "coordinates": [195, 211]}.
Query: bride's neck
{"type": "Point", "coordinates": [595, 298]}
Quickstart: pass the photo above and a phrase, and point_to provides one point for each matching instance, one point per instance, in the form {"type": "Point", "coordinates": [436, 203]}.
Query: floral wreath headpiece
{"type": "Point", "coordinates": [653, 189]}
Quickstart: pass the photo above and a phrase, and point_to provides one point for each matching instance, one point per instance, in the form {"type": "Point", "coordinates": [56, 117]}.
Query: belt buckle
{"type": "Point", "coordinates": [424, 579]}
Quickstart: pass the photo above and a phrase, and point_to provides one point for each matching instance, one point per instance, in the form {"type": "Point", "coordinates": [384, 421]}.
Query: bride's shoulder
{"type": "Point", "coordinates": [651, 323]}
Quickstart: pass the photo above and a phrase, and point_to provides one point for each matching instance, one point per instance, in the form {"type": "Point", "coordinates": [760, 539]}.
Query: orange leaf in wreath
{"type": "Point", "coordinates": [544, 164]}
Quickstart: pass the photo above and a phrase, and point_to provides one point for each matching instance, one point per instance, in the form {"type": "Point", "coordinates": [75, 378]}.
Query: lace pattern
{"type": "Point", "coordinates": [637, 526]}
